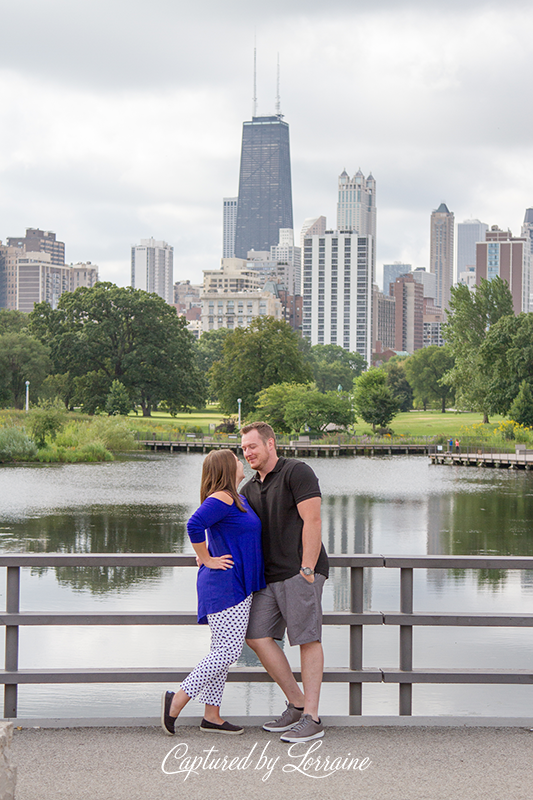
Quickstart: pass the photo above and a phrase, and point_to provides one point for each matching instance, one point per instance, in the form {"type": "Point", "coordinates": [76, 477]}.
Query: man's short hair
{"type": "Point", "coordinates": [263, 429]}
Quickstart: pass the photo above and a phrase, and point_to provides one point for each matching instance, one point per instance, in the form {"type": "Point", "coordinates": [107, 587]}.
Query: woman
{"type": "Point", "coordinates": [231, 569]}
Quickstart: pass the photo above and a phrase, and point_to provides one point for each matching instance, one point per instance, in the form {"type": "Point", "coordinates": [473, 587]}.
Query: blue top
{"type": "Point", "coordinates": [229, 531]}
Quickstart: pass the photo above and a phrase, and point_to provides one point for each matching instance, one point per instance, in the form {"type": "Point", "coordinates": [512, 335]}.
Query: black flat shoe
{"type": "Point", "coordinates": [167, 722]}
{"type": "Point", "coordinates": [226, 727]}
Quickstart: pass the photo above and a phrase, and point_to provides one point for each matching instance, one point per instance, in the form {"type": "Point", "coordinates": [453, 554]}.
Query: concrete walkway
{"type": "Point", "coordinates": [367, 763]}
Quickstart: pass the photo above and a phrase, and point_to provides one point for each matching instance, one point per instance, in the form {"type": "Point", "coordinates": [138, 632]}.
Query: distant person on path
{"type": "Point", "coordinates": [285, 494]}
{"type": "Point", "coordinates": [450, 445]}
{"type": "Point", "coordinates": [457, 448]}
{"type": "Point", "coordinates": [231, 570]}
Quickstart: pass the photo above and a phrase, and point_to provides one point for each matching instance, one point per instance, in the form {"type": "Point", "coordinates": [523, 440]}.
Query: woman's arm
{"type": "Point", "coordinates": [203, 555]}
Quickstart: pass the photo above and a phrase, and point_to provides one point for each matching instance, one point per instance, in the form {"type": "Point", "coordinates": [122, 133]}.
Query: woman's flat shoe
{"type": "Point", "coordinates": [226, 727]}
{"type": "Point", "coordinates": [167, 722]}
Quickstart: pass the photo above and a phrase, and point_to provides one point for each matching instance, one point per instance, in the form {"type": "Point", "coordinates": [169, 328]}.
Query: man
{"type": "Point", "coordinates": [285, 494]}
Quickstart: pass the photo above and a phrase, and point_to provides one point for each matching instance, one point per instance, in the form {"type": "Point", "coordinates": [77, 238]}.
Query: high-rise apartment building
{"type": "Point", "coordinates": [508, 257]}
{"type": "Point", "coordinates": [337, 291]}
{"type": "Point", "coordinates": [27, 278]}
{"type": "Point", "coordinates": [469, 233]}
{"type": "Point", "coordinates": [356, 206]}
{"type": "Point", "coordinates": [383, 320]}
{"type": "Point", "coordinates": [288, 260]}
{"type": "Point", "coordinates": [393, 271]}
{"type": "Point", "coordinates": [265, 190]}
{"type": "Point", "coordinates": [229, 222]}
{"type": "Point", "coordinates": [409, 310]}
{"type": "Point", "coordinates": [38, 241]}
{"type": "Point", "coordinates": [152, 268]}
{"type": "Point", "coordinates": [312, 226]}
{"type": "Point", "coordinates": [441, 253]}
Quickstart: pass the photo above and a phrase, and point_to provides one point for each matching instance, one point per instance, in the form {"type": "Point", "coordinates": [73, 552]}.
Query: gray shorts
{"type": "Point", "coordinates": [293, 604]}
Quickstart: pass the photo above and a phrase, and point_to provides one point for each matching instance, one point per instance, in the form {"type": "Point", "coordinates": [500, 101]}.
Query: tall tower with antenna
{"type": "Point", "coordinates": [265, 189]}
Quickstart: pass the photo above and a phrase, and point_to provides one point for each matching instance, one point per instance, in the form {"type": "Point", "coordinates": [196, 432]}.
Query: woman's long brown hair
{"type": "Point", "coordinates": [219, 473]}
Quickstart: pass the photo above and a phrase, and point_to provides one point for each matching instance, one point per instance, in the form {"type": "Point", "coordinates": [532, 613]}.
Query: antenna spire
{"type": "Point", "coordinates": [278, 105]}
{"type": "Point", "coordinates": [254, 99]}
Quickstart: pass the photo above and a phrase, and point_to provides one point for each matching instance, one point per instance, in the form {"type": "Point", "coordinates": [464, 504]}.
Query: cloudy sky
{"type": "Point", "coordinates": [122, 119]}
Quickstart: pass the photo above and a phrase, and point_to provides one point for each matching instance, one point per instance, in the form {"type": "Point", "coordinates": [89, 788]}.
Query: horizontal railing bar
{"type": "Point", "coordinates": [139, 675]}
{"type": "Point", "coordinates": [183, 560]}
{"type": "Point", "coordinates": [502, 676]}
{"type": "Point", "coordinates": [459, 620]}
{"type": "Point", "coordinates": [147, 560]}
{"type": "Point", "coordinates": [161, 618]}
{"type": "Point", "coordinates": [460, 562]}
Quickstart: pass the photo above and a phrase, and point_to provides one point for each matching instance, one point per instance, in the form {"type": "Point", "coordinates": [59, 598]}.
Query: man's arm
{"type": "Point", "coordinates": [309, 511]}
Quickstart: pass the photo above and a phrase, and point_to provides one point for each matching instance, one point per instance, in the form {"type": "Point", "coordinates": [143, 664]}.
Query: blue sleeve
{"type": "Point", "coordinates": [210, 512]}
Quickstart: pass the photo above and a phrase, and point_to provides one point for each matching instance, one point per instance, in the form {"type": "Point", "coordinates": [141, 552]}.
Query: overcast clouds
{"type": "Point", "coordinates": [122, 119]}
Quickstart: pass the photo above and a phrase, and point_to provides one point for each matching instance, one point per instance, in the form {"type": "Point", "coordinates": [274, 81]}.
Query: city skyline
{"type": "Point", "coordinates": [144, 140]}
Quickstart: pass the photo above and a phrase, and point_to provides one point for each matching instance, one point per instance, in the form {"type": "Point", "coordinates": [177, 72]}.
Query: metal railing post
{"type": "Point", "coordinates": [356, 639]}
{"type": "Point", "coordinates": [12, 640]}
{"type": "Point", "coordinates": [406, 639]}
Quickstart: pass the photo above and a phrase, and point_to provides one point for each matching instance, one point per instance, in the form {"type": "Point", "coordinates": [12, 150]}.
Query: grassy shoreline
{"type": "Point", "coordinates": [80, 438]}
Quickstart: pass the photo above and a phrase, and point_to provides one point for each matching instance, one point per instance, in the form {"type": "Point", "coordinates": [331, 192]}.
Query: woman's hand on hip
{"type": "Point", "coordinates": [219, 562]}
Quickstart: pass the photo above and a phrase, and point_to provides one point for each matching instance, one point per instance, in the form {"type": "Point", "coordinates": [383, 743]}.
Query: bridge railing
{"type": "Point", "coordinates": [356, 618]}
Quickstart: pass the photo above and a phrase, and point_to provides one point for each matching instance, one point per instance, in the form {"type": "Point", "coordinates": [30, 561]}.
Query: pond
{"type": "Point", "coordinates": [388, 505]}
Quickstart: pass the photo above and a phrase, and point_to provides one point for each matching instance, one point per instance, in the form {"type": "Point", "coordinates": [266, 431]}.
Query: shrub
{"type": "Point", "coordinates": [16, 445]}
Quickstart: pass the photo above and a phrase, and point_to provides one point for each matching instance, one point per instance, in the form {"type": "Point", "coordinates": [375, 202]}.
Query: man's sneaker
{"type": "Point", "coordinates": [288, 719]}
{"type": "Point", "coordinates": [305, 730]}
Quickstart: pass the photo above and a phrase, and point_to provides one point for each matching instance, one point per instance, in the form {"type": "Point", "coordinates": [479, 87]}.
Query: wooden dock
{"type": "Point", "coordinates": [473, 457]}
{"type": "Point", "coordinates": [295, 449]}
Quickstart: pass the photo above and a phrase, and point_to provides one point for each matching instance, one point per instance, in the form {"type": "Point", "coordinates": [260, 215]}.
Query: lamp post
{"type": "Point", "coordinates": [239, 401]}
{"type": "Point", "coordinates": [27, 396]}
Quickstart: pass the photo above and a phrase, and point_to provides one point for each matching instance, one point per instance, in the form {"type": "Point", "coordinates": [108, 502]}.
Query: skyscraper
{"type": "Point", "coordinates": [393, 271]}
{"type": "Point", "coordinates": [38, 241]}
{"type": "Point", "coordinates": [441, 253]}
{"type": "Point", "coordinates": [265, 193]}
{"type": "Point", "coordinates": [356, 206]}
{"type": "Point", "coordinates": [469, 233]}
{"type": "Point", "coordinates": [509, 257]}
{"type": "Point", "coordinates": [152, 268]}
{"type": "Point", "coordinates": [228, 227]}
{"type": "Point", "coordinates": [337, 291]}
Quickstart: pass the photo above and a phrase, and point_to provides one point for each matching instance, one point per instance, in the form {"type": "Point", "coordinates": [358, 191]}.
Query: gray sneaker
{"type": "Point", "coordinates": [305, 730]}
{"type": "Point", "coordinates": [289, 718]}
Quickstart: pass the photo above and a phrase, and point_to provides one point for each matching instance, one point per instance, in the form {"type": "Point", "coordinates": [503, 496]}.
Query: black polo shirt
{"type": "Point", "coordinates": [275, 502]}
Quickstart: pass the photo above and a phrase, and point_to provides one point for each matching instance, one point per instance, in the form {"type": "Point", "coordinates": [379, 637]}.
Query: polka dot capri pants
{"type": "Point", "coordinates": [228, 629]}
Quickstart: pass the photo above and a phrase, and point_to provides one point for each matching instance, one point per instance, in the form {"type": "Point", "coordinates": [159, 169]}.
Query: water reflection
{"type": "Point", "coordinates": [112, 529]}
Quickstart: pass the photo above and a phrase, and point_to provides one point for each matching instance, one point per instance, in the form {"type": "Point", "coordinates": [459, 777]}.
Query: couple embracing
{"type": "Point", "coordinates": [262, 571]}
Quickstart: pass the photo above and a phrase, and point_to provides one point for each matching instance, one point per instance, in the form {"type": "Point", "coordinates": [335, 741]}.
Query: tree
{"type": "Point", "coordinates": [12, 321]}
{"type": "Point", "coordinates": [118, 401]}
{"type": "Point", "coordinates": [333, 366]}
{"type": "Point", "coordinates": [506, 358]}
{"type": "Point", "coordinates": [264, 353]}
{"type": "Point", "coordinates": [398, 383]}
{"type": "Point", "coordinates": [373, 399]}
{"type": "Point", "coordinates": [307, 408]}
{"type": "Point", "coordinates": [426, 370]}
{"type": "Point", "coordinates": [471, 314]}
{"type": "Point", "coordinates": [521, 410]}
{"type": "Point", "coordinates": [289, 407]}
{"type": "Point", "coordinates": [22, 358]}
{"type": "Point", "coordinates": [109, 333]}
{"type": "Point", "coordinates": [210, 349]}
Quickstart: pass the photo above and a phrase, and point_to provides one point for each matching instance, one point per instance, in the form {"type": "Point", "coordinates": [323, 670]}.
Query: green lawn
{"type": "Point", "coordinates": [201, 419]}
{"type": "Point", "coordinates": [433, 423]}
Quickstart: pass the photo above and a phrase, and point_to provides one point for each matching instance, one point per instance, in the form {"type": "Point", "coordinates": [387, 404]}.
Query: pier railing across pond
{"type": "Point", "coordinates": [356, 618]}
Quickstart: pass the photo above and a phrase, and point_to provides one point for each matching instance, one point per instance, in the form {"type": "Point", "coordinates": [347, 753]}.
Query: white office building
{"type": "Point", "coordinates": [338, 275]}
{"type": "Point", "coordinates": [229, 222]}
{"type": "Point", "coordinates": [469, 233]}
{"type": "Point", "coordinates": [356, 206]}
{"type": "Point", "coordinates": [152, 268]}
{"type": "Point", "coordinates": [288, 260]}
